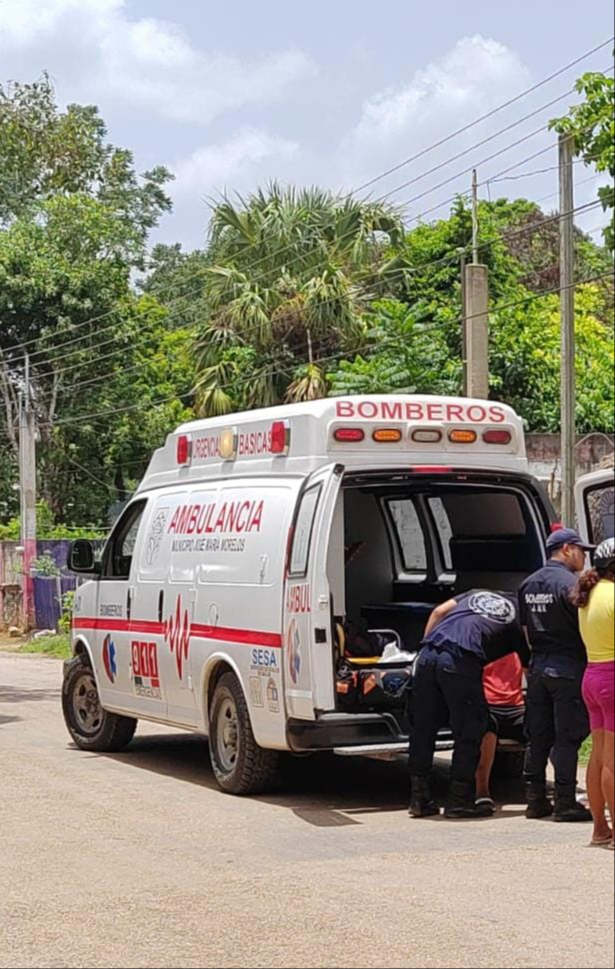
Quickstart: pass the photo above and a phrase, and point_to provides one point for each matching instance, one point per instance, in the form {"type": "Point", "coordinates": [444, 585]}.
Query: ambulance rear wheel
{"type": "Point", "coordinates": [91, 727]}
{"type": "Point", "coordinates": [239, 764]}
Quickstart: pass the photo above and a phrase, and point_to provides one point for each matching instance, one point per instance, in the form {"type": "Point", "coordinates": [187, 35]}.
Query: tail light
{"type": "Point", "coordinates": [387, 436]}
{"type": "Point", "coordinates": [462, 436]}
{"type": "Point", "coordinates": [280, 438]}
{"type": "Point", "coordinates": [349, 435]}
{"type": "Point", "coordinates": [497, 437]}
{"type": "Point", "coordinates": [426, 436]}
{"type": "Point", "coordinates": [184, 449]}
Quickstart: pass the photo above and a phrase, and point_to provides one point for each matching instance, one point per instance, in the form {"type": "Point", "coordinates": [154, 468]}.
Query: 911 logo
{"type": "Point", "coordinates": [177, 636]}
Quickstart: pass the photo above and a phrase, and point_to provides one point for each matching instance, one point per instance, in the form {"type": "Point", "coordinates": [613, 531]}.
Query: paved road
{"type": "Point", "coordinates": [138, 861]}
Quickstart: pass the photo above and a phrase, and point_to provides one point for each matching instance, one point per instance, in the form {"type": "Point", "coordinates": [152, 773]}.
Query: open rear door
{"type": "Point", "coordinates": [594, 500]}
{"type": "Point", "coordinates": [308, 625]}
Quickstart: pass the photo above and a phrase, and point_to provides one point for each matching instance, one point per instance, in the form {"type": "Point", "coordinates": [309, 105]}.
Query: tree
{"type": "Point", "coordinates": [403, 354]}
{"type": "Point", "coordinates": [74, 224]}
{"type": "Point", "coordinates": [593, 125]}
{"type": "Point", "coordinates": [291, 276]}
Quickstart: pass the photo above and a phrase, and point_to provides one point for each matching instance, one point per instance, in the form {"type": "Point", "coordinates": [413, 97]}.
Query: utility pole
{"type": "Point", "coordinates": [476, 313]}
{"type": "Point", "coordinates": [27, 481]}
{"type": "Point", "coordinates": [475, 217]}
{"type": "Point", "coordinates": [567, 303]}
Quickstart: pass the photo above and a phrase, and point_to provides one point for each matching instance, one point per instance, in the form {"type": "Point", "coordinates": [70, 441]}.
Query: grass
{"type": "Point", "coordinates": [586, 751]}
{"type": "Point", "coordinates": [57, 647]}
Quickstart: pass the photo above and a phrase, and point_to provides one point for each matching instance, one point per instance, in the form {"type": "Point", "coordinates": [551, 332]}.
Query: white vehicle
{"type": "Point", "coordinates": [224, 590]}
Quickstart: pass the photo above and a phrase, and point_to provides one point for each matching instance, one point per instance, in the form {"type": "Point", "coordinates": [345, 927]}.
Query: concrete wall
{"type": "Point", "coordinates": [10, 585]}
{"type": "Point", "coordinates": [544, 453]}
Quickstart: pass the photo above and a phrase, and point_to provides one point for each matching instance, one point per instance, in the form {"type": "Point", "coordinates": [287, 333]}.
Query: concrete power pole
{"type": "Point", "coordinates": [476, 314]}
{"type": "Point", "coordinates": [27, 480]}
{"type": "Point", "coordinates": [567, 302]}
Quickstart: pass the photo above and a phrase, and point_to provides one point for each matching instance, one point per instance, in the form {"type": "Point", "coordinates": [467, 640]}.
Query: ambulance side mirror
{"type": "Point", "coordinates": [81, 558]}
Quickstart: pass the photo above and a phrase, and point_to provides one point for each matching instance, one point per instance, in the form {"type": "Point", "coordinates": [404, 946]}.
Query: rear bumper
{"type": "Point", "coordinates": [334, 730]}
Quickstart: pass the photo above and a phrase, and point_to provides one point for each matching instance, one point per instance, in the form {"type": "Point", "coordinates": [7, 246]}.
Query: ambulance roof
{"type": "Point", "coordinates": [378, 431]}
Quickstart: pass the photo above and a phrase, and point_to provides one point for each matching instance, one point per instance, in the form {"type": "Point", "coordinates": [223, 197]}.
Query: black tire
{"type": "Point", "coordinates": [240, 766]}
{"type": "Point", "coordinates": [509, 766]}
{"type": "Point", "coordinates": [91, 727]}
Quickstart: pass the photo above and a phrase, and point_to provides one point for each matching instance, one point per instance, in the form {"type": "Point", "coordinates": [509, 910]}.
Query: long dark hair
{"type": "Point", "coordinates": [588, 582]}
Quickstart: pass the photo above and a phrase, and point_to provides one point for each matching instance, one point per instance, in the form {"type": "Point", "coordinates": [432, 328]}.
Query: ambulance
{"type": "Point", "coordinates": [229, 594]}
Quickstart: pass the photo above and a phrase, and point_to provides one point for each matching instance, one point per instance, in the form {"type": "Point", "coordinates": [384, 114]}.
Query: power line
{"type": "Point", "coordinates": [338, 356]}
{"type": "Point", "coordinates": [401, 165]}
{"type": "Point", "coordinates": [485, 117]}
{"type": "Point", "coordinates": [401, 273]}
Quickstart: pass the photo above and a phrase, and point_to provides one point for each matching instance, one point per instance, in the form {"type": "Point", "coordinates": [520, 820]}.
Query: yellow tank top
{"type": "Point", "coordinates": [598, 623]}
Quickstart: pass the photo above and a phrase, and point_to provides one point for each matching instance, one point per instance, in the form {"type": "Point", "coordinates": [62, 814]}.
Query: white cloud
{"type": "Point", "coordinates": [229, 165]}
{"type": "Point", "coordinates": [476, 75]}
{"type": "Point", "coordinates": [148, 62]}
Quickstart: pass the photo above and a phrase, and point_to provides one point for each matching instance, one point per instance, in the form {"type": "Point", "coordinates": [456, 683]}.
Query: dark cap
{"type": "Point", "coordinates": [566, 536]}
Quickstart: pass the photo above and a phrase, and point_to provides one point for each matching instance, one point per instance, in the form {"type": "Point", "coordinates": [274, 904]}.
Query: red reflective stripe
{"type": "Point", "coordinates": [245, 637]}
{"type": "Point", "coordinates": [120, 625]}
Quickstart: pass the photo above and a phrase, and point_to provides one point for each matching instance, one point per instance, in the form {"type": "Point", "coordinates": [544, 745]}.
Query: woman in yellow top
{"type": "Point", "coordinates": [595, 598]}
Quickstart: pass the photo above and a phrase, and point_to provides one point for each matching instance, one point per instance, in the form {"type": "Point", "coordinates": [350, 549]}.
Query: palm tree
{"type": "Point", "coordinates": [291, 274]}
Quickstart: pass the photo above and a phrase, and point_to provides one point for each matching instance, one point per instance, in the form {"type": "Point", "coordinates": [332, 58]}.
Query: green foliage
{"type": "Point", "coordinates": [47, 528]}
{"type": "Point", "coordinates": [56, 647]}
{"type": "Point", "coordinates": [291, 276]}
{"type": "Point", "coordinates": [525, 361]}
{"type": "Point", "coordinates": [593, 125]}
{"type": "Point", "coordinates": [403, 354]}
{"type": "Point", "coordinates": [66, 619]}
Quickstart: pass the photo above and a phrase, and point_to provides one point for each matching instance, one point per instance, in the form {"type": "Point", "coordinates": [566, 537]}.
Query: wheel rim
{"type": "Point", "coordinates": [227, 735]}
{"type": "Point", "coordinates": [86, 705]}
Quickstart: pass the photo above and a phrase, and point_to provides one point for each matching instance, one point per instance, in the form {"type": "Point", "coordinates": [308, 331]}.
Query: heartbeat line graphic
{"type": "Point", "coordinates": [177, 636]}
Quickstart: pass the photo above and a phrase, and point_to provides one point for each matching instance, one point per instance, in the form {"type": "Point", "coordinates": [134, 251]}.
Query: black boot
{"type": "Point", "coordinates": [538, 804]}
{"type": "Point", "coordinates": [461, 803]}
{"type": "Point", "coordinates": [422, 805]}
{"type": "Point", "coordinates": [567, 809]}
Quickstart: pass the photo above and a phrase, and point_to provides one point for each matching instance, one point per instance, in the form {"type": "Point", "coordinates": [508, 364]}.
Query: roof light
{"type": "Point", "coordinates": [426, 436]}
{"type": "Point", "coordinates": [228, 444]}
{"type": "Point", "coordinates": [349, 435]}
{"type": "Point", "coordinates": [387, 435]}
{"type": "Point", "coordinates": [184, 449]}
{"type": "Point", "coordinates": [280, 438]}
{"type": "Point", "coordinates": [464, 436]}
{"type": "Point", "coordinates": [432, 469]}
{"type": "Point", "coordinates": [497, 437]}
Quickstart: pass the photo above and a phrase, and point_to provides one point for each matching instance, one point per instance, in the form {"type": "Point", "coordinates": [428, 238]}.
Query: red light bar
{"type": "Point", "coordinates": [432, 469]}
{"type": "Point", "coordinates": [184, 449]}
{"type": "Point", "coordinates": [349, 435]}
{"type": "Point", "coordinates": [280, 437]}
{"type": "Point", "coordinates": [497, 437]}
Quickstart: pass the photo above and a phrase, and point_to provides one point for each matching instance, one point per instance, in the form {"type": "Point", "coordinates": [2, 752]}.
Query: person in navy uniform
{"type": "Point", "coordinates": [557, 719]}
{"type": "Point", "coordinates": [462, 637]}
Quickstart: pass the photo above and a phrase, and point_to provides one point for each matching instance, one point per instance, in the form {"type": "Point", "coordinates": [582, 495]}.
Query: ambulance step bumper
{"type": "Point", "coordinates": [375, 751]}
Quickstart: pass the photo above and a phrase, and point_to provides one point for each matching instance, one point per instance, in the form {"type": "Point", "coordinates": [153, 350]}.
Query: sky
{"type": "Point", "coordinates": [233, 95]}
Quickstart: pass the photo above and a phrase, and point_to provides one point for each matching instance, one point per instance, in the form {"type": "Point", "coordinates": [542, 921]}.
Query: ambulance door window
{"type": "Point", "coordinates": [600, 506]}
{"type": "Point", "coordinates": [118, 555]}
{"type": "Point", "coordinates": [304, 529]}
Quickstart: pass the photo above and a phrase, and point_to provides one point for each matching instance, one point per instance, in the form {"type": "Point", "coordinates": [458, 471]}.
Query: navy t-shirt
{"type": "Point", "coordinates": [483, 623]}
{"type": "Point", "coordinates": [546, 610]}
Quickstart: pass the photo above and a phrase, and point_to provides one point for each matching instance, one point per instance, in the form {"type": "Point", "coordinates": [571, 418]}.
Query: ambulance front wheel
{"type": "Point", "coordinates": [239, 764]}
{"type": "Point", "coordinates": [91, 727]}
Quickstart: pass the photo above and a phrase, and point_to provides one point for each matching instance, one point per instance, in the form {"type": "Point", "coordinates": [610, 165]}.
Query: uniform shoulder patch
{"type": "Point", "coordinates": [493, 606]}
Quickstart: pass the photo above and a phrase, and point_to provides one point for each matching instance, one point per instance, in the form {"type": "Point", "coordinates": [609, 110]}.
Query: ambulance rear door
{"type": "Point", "coordinates": [308, 619]}
{"type": "Point", "coordinates": [595, 500]}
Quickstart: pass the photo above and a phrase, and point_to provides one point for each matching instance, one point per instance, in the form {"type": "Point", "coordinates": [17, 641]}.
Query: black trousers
{"type": "Point", "coordinates": [557, 722]}
{"type": "Point", "coordinates": [448, 689]}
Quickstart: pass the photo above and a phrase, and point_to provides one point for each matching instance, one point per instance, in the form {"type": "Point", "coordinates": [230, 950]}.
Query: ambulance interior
{"type": "Point", "coordinates": [411, 543]}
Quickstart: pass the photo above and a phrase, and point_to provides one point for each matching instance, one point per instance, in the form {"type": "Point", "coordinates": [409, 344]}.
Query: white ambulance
{"type": "Point", "coordinates": [225, 594]}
